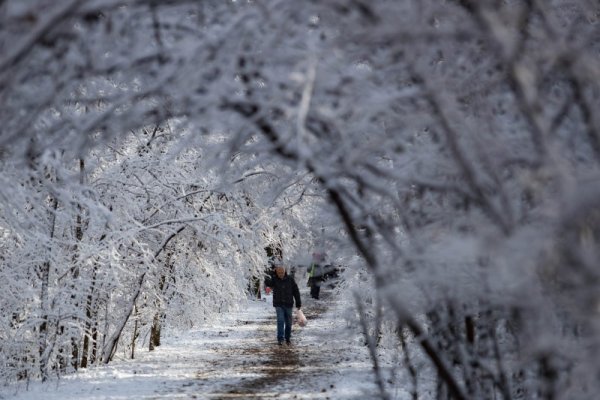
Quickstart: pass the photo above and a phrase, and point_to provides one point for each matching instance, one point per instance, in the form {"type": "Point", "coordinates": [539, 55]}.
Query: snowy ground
{"type": "Point", "coordinates": [235, 358]}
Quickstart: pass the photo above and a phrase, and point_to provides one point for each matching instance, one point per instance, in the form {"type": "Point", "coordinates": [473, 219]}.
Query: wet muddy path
{"type": "Point", "coordinates": [268, 370]}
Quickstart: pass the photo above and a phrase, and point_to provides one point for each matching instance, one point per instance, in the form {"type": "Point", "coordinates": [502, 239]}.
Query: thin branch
{"type": "Point", "coordinates": [21, 49]}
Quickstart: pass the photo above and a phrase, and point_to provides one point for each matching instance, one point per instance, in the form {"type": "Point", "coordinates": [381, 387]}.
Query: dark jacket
{"type": "Point", "coordinates": [285, 291]}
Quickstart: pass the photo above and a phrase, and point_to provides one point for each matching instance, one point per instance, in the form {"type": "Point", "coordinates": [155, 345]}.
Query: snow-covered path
{"type": "Point", "coordinates": [235, 358]}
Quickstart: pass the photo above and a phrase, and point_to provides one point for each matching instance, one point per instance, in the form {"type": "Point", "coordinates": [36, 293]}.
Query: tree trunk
{"type": "Point", "coordinates": [161, 304]}
{"type": "Point", "coordinates": [155, 331]}
{"type": "Point", "coordinates": [136, 332]}
{"type": "Point", "coordinates": [89, 322]}
{"type": "Point", "coordinates": [94, 352]}
{"type": "Point", "coordinates": [86, 345]}
{"type": "Point", "coordinates": [45, 278]}
{"type": "Point", "coordinates": [78, 238]}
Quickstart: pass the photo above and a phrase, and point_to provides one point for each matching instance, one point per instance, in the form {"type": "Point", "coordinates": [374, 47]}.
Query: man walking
{"type": "Point", "coordinates": [285, 292]}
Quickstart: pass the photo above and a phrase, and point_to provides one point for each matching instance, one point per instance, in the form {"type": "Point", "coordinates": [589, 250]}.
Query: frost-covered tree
{"type": "Point", "coordinates": [112, 248]}
{"type": "Point", "coordinates": [454, 142]}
